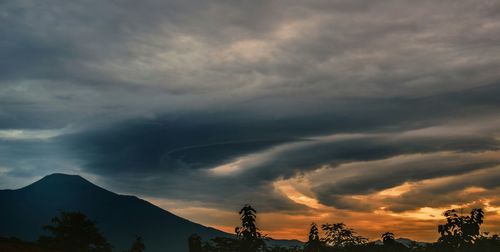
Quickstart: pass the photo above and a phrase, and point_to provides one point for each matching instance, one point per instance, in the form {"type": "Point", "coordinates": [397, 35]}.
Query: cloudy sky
{"type": "Point", "coordinates": [380, 114]}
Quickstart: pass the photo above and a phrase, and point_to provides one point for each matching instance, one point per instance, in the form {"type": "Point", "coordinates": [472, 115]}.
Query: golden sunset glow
{"type": "Point", "coordinates": [370, 223]}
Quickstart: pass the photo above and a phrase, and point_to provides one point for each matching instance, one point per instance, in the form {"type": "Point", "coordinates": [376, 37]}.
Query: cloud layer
{"type": "Point", "coordinates": [305, 109]}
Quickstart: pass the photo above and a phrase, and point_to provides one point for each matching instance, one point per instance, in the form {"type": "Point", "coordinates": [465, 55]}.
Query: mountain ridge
{"type": "Point", "coordinates": [120, 217]}
{"type": "Point", "coordinates": [405, 242]}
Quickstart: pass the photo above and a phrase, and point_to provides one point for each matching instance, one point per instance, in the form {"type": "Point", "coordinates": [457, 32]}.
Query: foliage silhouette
{"type": "Point", "coordinates": [74, 232]}
{"type": "Point", "coordinates": [460, 231]}
{"type": "Point", "coordinates": [339, 236]}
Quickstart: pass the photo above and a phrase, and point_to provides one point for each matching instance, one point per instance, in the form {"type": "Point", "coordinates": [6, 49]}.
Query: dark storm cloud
{"type": "Point", "coordinates": [206, 140]}
{"type": "Point", "coordinates": [163, 145]}
{"type": "Point", "coordinates": [194, 167]}
{"type": "Point", "coordinates": [174, 90]}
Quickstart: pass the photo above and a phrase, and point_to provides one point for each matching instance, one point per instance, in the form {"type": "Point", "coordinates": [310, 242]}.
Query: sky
{"type": "Point", "coordinates": [378, 114]}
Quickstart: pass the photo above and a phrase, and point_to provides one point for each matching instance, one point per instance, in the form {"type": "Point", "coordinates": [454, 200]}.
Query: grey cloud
{"type": "Point", "coordinates": [159, 49]}
{"type": "Point", "coordinates": [455, 171]}
{"type": "Point", "coordinates": [25, 160]}
{"type": "Point", "coordinates": [449, 191]}
{"type": "Point", "coordinates": [373, 179]}
{"type": "Point", "coordinates": [174, 88]}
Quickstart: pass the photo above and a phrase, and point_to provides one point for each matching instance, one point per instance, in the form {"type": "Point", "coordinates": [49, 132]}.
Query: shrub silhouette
{"type": "Point", "coordinates": [487, 243]}
{"type": "Point", "coordinates": [74, 232]}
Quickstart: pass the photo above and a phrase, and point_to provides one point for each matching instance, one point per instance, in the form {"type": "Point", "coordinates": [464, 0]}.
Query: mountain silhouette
{"type": "Point", "coordinates": [24, 211]}
{"type": "Point", "coordinates": [405, 242]}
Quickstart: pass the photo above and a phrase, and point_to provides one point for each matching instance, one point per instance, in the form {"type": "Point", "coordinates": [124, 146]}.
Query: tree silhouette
{"type": "Point", "coordinates": [137, 246]}
{"type": "Point", "coordinates": [460, 231]}
{"type": "Point", "coordinates": [313, 243]}
{"type": "Point", "coordinates": [248, 230]}
{"type": "Point", "coordinates": [339, 236]}
{"type": "Point", "coordinates": [459, 234]}
{"type": "Point", "coordinates": [388, 239]}
{"type": "Point", "coordinates": [248, 233]}
{"type": "Point", "coordinates": [73, 232]}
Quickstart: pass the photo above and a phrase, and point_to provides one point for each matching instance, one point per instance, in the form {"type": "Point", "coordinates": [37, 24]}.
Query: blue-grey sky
{"type": "Point", "coordinates": [310, 110]}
